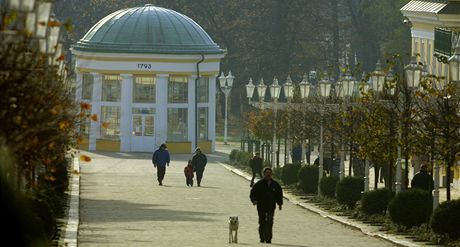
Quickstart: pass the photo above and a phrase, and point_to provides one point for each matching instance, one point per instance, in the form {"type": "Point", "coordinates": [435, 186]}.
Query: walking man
{"type": "Point", "coordinates": [256, 166]}
{"type": "Point", "coordinates": [422, 180]}
{"type": "Point", "coordinates": [160, 160]}
{"type": "Point", "coordinates": [199, 162]}
{"type": "Point", "coordinates": [265, 194]}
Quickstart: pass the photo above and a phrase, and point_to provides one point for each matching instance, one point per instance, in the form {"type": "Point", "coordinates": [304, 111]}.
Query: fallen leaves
{"type": "Point", "coordinates": [85, 158]}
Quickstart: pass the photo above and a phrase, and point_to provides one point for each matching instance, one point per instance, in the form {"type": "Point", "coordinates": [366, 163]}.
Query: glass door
{"type": "Point", "coordinates": [143, 139]}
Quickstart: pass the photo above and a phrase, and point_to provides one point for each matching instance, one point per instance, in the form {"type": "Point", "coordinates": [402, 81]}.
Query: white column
{"type": "Point", "coordinates": [212, 111]}
{"type": "Point", "coordinates": [95, 131]}
{"type": "Point", "coordinates": [161, 110]}
{"type": "Point", "coordinates": [191, 113]}
{"type": "Point", "coordinates": [78, 86]}
{"type": "Point", "coordinates": [126, 112]}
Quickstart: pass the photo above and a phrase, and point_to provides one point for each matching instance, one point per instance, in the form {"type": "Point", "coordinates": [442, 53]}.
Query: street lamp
{"type": "Point", "coordinates": [275, 90]}
{"type": "Point", "coordinates": [43, 12]}
{"type": "Point", "coordinates": [377, 78]}
{"type": "Point", "coordinates": [381, 85]}
{"type": "Point", "coordinates": [363, 86]}
{"type": "Point", "coordinates": [347, 85]}
{"type": "Point", "coordinates": [261, 92]}
{"type": "Point", "coordinates": [226, 83]}
{"type": "Point", "coordinates": [21, 5]}
{"type": "Point", "coordinates": [325, 86]}
{"type": "Point", "coordinates": [250, 90]}
{"type": "Point", "coordinates": [288, 88]}
{"type": "Point", "coordinates": [305, 88]}
{"type": "Point", "coordinates": [413, 74]}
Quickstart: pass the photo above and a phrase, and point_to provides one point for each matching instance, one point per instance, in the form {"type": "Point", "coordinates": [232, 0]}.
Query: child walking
{"type": "Point", "coordinates": [188, 171]}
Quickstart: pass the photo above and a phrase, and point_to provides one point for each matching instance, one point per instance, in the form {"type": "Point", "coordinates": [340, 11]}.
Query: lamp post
{"type": "Point", "coordinates": [226, 83]}
{"type": "Point", "coordinates": [412, 74]}
{"type": "Point", "coordinates": [261, 87]}
{"type": "Point", "coordinates": [275, 90]}
{"type": "Point", "coordinates": [305, 88]}
{"type": "Point", "coordinates": [325, 86]}
{"type": "Point", "coordinates": [250, 90]}
{"type": "Point", "coordinates": [377, 81]}
{"type": "Point", "coordinates": [21, 5]}
{"type": "Point", "coordinates": [347, 86]}
{"type": "Point", "coordinates": [390, 91]}
{"type": "Point", "coordinates": [288, 88]}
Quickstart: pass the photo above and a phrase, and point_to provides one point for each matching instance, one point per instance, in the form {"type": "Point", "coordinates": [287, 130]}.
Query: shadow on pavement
{"type": "Point", "coordinates": [289, 245]}
{"type": "Point", "coordinates": [122, 211]}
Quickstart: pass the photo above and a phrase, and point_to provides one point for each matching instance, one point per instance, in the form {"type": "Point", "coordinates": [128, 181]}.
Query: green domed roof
{"type": "Point", "coordinates": [148, 29]}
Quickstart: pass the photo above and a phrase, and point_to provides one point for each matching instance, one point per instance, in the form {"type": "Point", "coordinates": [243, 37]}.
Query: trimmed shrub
{"type": "Point", "coordinates": [289, 173]}
{"type": "Point", "coordinates": [45, 216]}
{"type": "Point", "coordinates": [328, 185]}
{"type": "Point", "coordinates": [376, 201]}
{"type": "Point", "coordinates": [445, 219]}
{"type": "Point", "coordinates": [308, 176]}
{"type": "Point", "coordinates": [243, 158]}
{"type": "Point", "coordinates": [411, 208]}
{"type": "Point", "coordinates": [233, 154]}
{"type": "Point", "coordinates": [349, 190]}
{"type": "Point", "coordinates": [276, 172]}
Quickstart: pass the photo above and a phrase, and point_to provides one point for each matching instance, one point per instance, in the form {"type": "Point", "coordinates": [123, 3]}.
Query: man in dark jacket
{"type": "Point", "coordinates": [256, 166]}
{"type": "Point", "coordinates": [160, 160]}
{"type": "Point", "coordinates": [199, 162]}
{"type": "Point", "coordinates": [266, 193]}
{"type": "Point", "coordinates": [422, 180]}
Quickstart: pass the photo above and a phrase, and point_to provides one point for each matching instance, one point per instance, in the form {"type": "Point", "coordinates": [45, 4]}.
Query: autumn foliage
{"type": "Point", "coordinates": [37, 112]}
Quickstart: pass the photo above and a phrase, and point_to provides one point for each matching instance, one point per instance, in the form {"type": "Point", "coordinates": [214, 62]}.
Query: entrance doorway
{"type": "Point", "coordinates": [143, 139]}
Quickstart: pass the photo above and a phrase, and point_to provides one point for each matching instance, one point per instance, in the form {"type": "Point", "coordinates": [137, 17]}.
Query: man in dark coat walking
{"type": "Point", "coordinates": [266, 193]}
{"type": "Point", "coordinates": [256, 166]}
{"type": "Point", "coordinates": [160, 160]}
{"type": "Point", "coordinates": [199, 162]}
{"type": "Point", "coordinates": [422, 180]}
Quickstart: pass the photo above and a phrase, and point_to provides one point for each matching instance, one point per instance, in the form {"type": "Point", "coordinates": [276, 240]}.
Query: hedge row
{"type": "Point", "coordinates": [409, 208]}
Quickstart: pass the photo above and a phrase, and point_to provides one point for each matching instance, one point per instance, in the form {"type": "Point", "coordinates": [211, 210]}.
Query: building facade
{"type": "Point", "coordinates": [149, 74]}
{"type": "Point", "coordinates": [435, 31]}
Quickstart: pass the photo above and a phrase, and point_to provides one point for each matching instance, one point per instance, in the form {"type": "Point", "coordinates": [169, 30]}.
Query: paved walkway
{"type": "Point", "coordinates": [121, 204]}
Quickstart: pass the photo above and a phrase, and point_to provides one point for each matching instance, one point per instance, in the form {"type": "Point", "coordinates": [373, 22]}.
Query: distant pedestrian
{"type": "Point", "coordinates": [188, 171]}
{"type": "Point", "coordinates": [160, 160]}
{"type": "Point", "coordinates": [266, 193]}
{"type": "Point", "coordinates": [199, 162]}
{"type": "Point", "coordinates": [296, 153]}
{"type": "Point", "coordinates": [422, 180]}
{"type": "Point", "coordinates": [256, 166]}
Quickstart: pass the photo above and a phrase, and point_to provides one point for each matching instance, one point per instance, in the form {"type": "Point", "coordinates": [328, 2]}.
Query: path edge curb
{"type": "Point", "coordinates": [73, 218]}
